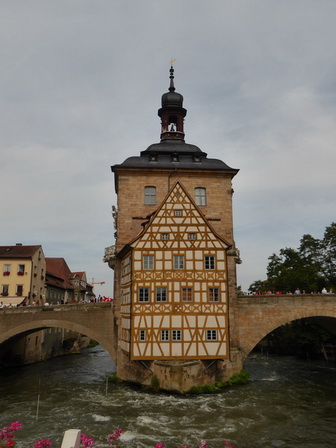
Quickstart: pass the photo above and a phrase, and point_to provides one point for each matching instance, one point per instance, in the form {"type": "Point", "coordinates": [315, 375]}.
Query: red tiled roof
{"type": "Point", "coordinates": [57, 267]}
{"type": "Point", "coordinates": [18, 251]}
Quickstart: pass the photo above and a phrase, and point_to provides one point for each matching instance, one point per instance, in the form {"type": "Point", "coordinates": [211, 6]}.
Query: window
{"type": "Point", "coordinates": [21, 269]}
{"type": "Point", "coordinates": [148, 262]}
{"type": "Point", "coordinates": [192, 236]}
{"type": "Point", "coordinates": [142, 335]}
{"type": "Point", "coordinates": [19, 290]}
{"type": "Point", "coordinates": [143, 294]}
{"type": "Point", "coordinates": [6, 270]}
{"type": "Point", "coordinates": [165, 236]}
{"type": "Point", "coordinates": [211, 335]}
{"type": "Point", "coordinates": [209, 262]}
{"type": "Point", "coordinates": [178, 262]}
{"type": "Point", "coordinates": [213, 294]}
{"type": "Point", "coordinates": [161, 294]}
{"type": "Point", "coordinates": [150, 195]}
{"type": "Point", "coordinates": [187, 295]}
{"type": "Point", "coordinates": [5, 290]}
{"type": "Point", "coordinates": [176, 335]}
{"type": "Point", "coordinates": [164, 335]}
{"type": "Point", "coordinates": [200, 196]}
{"type": "Point", "coordinates": [178, 213]}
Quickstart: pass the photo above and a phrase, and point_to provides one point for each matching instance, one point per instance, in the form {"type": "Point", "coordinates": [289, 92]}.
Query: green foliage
{"type": "Point", "coordinates": [310, 267]}
{"type": "Point", "coordinates": [155, 383]}
{"type": "Point", "coordinates": [242, 377]}
{"type": "Point", "coordinates": [114, 378]}
{"type": "Point", "coordinates": [302, 338]}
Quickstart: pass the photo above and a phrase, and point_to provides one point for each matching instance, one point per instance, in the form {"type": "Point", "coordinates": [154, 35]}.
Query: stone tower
{"type": "Point", "coordinates": [174, 261]}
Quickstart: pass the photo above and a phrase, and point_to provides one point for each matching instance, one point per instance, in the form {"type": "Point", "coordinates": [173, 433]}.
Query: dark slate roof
{"type": "Point", "coordinates": [173, 154]}
{"type": "Point", "coordinates": [18, 251]}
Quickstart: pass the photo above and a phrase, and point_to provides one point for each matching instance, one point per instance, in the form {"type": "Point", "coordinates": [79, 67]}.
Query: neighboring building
{"type": "Point", "coordinates": [174, 259]}
{"type": "Point", "coordinates": [64, 286]}
{"type": "Point", "coordinates": [22, 271]}
{"type": "Point", "coordinates": [59, 289]}
{"type": "Point", "coordinates": [79, 282]}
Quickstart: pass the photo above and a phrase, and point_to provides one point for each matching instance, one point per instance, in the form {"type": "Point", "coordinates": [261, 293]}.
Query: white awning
{"type": "Point", "coordinates": [11, 300]}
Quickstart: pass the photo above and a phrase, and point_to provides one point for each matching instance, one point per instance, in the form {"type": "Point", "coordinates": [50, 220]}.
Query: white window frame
{"type": "Point", "coordinates": [143, 295]}
{"type": "Point", "coordinates": [148, 262]}
{"type": "Point", "coordinates": [150, 195]}
{"type": "Point", "coordinates": [200, 196]}
{"type": "Point", "coordinates": [211, 335]}
{"type": "Point", "coordinates": [176, 335]}
{"type": "Point", "coordinates": [178, 262]}
{"type": "Point", "coordinates": [214, 294]}
{"type": "Point", "coordinates": [161, 294]}
{"type": "Point", "coordinates": [164, 335]}
{"type": "Point", "coordinates": [209, 262]}
{"type": "Point", "coordinates": [187, 294]}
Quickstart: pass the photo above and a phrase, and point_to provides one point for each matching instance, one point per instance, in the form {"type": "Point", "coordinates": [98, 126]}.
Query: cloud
{"type": "Point", "coordinates": [80, 86]}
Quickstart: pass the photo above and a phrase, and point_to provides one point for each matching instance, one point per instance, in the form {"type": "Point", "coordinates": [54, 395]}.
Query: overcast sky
{"type": "Point", "coordinates": [80, 85]}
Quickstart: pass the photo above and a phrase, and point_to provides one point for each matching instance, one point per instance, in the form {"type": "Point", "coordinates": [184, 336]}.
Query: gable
{"type": "Point", "coordinates": [179, 224]}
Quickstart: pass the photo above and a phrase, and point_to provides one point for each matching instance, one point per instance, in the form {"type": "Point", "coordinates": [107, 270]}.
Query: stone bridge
{"type": "Point", "coordinates": [257, 316]}
{"type": "Point", "coordinates": [253, 318]}
{"type": "Point", "coordinates": [95, 320]}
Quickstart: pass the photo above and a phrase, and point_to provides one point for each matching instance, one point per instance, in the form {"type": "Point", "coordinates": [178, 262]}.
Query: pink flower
{"type": "Point", "coordinates": [203, 444]}
{"type": "Point", "coordinates": [160, 445]}
{"type": "Point", "coordinates": [42, 443]}
{"type": "Point", "coordinates": [112, 438]}
{"type": "Point", "coordinates": [15, 426]}
{"type": "Point", "coordinates": [87, 441]}
{"type": "Point", "coordinates": [228, 445]}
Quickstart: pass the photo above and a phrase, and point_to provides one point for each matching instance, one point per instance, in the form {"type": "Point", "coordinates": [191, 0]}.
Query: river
{"type": "Point", "coordinates": [288, 404]}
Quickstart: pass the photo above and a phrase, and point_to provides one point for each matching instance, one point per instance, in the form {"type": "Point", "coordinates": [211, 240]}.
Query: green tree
{"type": "Point", "coordinates": [310, 267]}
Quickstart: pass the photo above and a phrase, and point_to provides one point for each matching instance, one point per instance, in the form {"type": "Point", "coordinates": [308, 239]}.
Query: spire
{"type": "Point", "coordinates": [171, 87]}
{"type": "Point", "coordinates": [172, 112]}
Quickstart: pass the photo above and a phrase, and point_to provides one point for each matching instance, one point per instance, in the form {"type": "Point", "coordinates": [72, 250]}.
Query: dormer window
{"type": "Point", "coordinates": [175, 158]}
{"type": "Point", "coordinates": [153, 158]}
{"type": "Point", "coordinates": [150, 196]}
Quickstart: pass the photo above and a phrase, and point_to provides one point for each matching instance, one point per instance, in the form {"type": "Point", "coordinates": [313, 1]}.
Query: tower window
{"type": "Point", "coordinates": [187, 295]}
{"type": "Point", "coordinates": [142, 335]}
{"type": "Point", "coordinates": [161, 294]}
{"type": "Point", "coordinates": [143, 294]}
{"type": "Point", "coordinates": [209, 262]}
{"type": "Point", "coordinates": [211, 335]}
{"type": "Point", "coordinates": [176, 335]}
{"type": "Point", "coordinates": [150, 195]}
{"type": "Point", "coordinates": [200, 196]}
{"type": "Point", "coordinates": [148, 262]}
{"type": "Point", "coordinates": [178, 262]}
{"type": "Point", "coordinates": [164, 335]}
{"type": "Point", "coordinates": [214, 295]}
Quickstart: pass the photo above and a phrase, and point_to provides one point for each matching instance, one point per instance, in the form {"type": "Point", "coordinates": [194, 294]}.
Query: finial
{"type": "Point", "coordinates": [172, 87]}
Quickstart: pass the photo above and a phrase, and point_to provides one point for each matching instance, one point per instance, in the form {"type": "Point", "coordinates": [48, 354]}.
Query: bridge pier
{"type": "Point", "coordinates": [178, 376]}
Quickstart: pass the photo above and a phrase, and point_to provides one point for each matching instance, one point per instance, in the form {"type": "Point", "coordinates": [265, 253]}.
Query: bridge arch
{"type": "Point", "coordinates": [259, 316]}
{"type": "Point", "coordinates": [96, 322]}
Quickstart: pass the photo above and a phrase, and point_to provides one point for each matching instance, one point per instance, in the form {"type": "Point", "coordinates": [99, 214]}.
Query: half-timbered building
{"type": "Point", "coordinates": [174, 258]}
